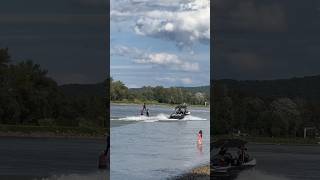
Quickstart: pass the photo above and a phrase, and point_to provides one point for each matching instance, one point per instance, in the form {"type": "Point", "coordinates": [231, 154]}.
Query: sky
{"type": "Point", "coordinates": [160, 42]}
{"type": "Point", "coordinates": [66, 37]}
{"type": "Point", "coordinates": [266, 39]}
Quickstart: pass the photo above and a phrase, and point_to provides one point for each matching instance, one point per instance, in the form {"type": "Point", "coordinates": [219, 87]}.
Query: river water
{"type": "Point", "coordinates": [285, 162]}
{"type": "Point", "coordinates": [156, 147]}
{"type": "Point", "coordinates": [50, 158]}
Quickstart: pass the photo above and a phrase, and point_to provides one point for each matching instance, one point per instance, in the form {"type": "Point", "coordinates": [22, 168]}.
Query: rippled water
{"type": "Point", "coordinates": [291, 162]}
{"type": "Point", "coordinates": [156, 147]}
{"type": "Point", "coordinates": [259, 175]}
{"type": "Point", "coordinates": [102, 175]}
{"type": "Point", "coordinates": [50, 158]}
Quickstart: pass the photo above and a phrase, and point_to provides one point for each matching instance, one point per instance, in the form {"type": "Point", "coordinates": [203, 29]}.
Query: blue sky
{"type": "Point", "coordinates": [160, 42]}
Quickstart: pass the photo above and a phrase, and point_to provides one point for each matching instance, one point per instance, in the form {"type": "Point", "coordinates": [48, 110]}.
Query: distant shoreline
{"type": "Point", "coordinates": [23, 131]}
{"type": "Point", "coordinates": [47, 135]}
{"type": "Point", "coordinates": [152, 103]}
{"type": "Point", "coordinates": [274, 141]}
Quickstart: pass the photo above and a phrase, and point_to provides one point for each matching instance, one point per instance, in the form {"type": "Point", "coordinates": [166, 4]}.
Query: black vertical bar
{"type": "Point", "coordinates": [212, 40]}
{"type": "Point", "coordinates": [107, 122]}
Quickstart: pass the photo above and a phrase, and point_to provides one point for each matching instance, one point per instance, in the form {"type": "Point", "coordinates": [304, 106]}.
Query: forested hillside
{"type": "Point", "coordinates": [304, 87]}
{"type": "Point", "coordinates": [29, 97]}
{"type": "Point", "coordinates": [274, 108]}
{"type": "Point", "coordinates": [159, 94]}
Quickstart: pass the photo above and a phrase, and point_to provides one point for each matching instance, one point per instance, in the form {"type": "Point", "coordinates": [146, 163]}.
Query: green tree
{"type": "Point", "coordinates": [118, 91]}
{"type": "Point", "coordinates": [4, 58]}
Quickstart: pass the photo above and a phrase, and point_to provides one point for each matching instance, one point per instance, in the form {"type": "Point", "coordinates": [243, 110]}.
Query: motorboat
{"type": "Point", "coordinates": [180, 112]}
{"type": "Point", "coordinates": [227, 163]}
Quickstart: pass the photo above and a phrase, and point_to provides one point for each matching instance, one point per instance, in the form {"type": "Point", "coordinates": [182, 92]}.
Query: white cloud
{"type": "Point", "coordinates": [161, 59]}
{"type": "Point", "coordinates": [167, 79]}
{"type": "Point", "coordinates": [183, 22]}
{"type": "Point", "coordinates": [126, 52]}
{"type": "Point", "coordinates": [128, 67]}
{"type": "Point", "coordinates": [169, 60]}
{"type": "Point", "coordinates": [185, 81]}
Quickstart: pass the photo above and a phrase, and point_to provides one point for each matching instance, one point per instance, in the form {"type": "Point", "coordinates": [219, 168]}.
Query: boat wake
{"type": "Point", "coordinates": [254, 174]}
{"type": "Point", "coordinates": [159, 117]}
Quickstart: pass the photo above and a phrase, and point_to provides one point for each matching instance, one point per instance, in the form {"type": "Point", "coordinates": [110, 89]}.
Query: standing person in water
{"type": "Point", "coordinates": [147, 112]}
{"type": "Point", "coordinates": [144, 108]}
{"type": "Point", "coordinates": [200, 137]}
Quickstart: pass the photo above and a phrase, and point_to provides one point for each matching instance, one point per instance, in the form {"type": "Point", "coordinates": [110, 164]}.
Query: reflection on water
{"type": "Point", "coordinates": [102, 175]}
{"type": "Point", "coordinates": [254, 175]}
{"type": "Point", "coordinates": [30, 158]}
{"type": "Point", "coordinates": [200, 149]}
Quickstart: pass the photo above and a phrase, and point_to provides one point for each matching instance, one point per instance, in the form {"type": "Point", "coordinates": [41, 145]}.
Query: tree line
{"type": "Point", "coordinates": [267, 113]}
{"type": "Point", "coordinates": [173, 95]}
{"type": "Point", "coordinates": [29, 97]}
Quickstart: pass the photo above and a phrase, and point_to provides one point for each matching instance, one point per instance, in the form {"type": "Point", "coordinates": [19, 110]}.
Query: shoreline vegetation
{"type": "Point", "coordinates": [152, 103]}
{"type": "Point", "coordinates": [52, 132]}
{"type": "Point", "coordinates": [274, 140]}
{"type": "Point", "coordinates": [282, 111]}
{"type": "Point", "coordinates": [199, 173]}
{"type": "Point", "coordinates": [119, 92]}
{"type": "Point", "coordinates": [282, 141]}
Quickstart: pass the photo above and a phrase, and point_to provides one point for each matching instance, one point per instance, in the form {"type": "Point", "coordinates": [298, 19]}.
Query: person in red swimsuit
{"type": "Point", "coordinates": [200, 137]}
